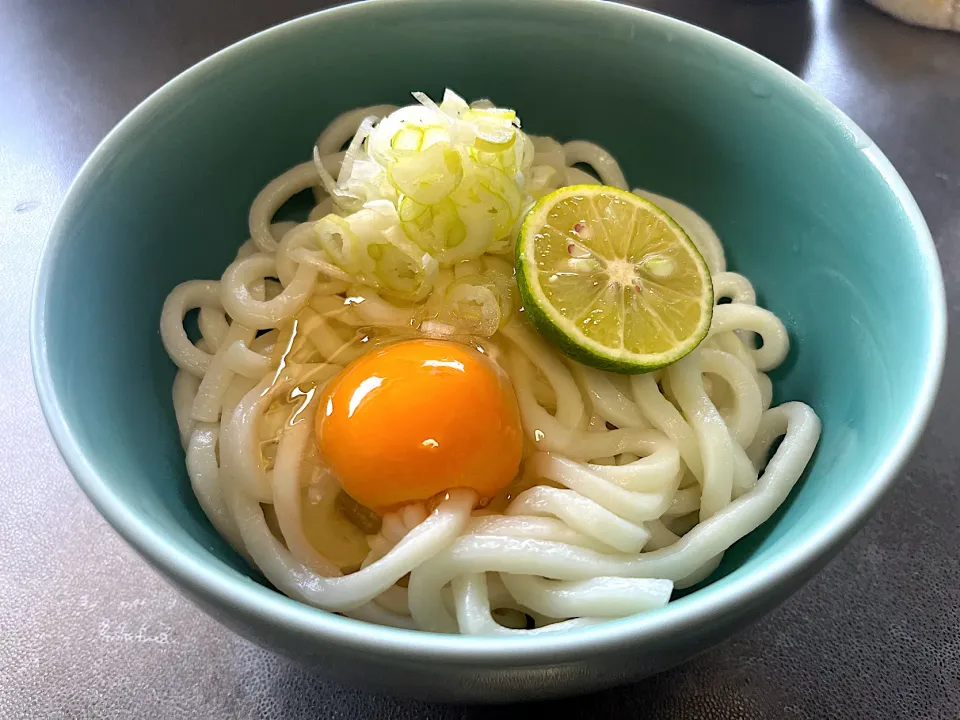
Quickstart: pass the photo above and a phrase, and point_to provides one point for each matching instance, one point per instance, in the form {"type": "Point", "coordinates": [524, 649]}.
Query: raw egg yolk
{"type": "Point", "coordinates": [418, 418]}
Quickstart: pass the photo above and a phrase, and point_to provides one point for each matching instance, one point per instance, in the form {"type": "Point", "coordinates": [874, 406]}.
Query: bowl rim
{"type": "Point", "coordinates": [233, 591]}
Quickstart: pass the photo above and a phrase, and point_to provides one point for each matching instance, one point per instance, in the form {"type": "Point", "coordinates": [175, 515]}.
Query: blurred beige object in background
{"type": "Point", "coordinates": [943, 14]}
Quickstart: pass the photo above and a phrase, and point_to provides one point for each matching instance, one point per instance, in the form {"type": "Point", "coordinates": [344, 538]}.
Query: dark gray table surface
{"type": "Point", "coordinates": [87, 630]}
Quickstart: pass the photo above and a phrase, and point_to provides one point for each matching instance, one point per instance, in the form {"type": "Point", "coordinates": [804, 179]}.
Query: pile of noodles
{"type": "Point", "coordinates": [630, 486]}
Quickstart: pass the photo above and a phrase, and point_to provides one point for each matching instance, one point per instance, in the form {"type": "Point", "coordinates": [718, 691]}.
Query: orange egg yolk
{"type": "Point", "coordinates": [414, 419]}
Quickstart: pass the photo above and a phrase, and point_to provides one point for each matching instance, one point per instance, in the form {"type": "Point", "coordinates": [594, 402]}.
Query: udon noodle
{"type": "Point", "coordinates": [631, 486]}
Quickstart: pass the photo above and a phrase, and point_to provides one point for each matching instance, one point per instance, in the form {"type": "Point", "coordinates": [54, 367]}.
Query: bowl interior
{"type": "Point", "coordinates": [799, 198]}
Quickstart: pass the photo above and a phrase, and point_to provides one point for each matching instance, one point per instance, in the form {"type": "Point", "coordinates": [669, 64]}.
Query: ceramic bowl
{"type": "Point", "coordinates": [807, 206]}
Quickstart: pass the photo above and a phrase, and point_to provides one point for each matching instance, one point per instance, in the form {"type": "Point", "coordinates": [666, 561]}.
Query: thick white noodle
{"type": "Point", "coordinates": [748, 403]}
{"type": "Point", "coordinates": [636, 506]}
{"type": "Point", "coordinates": [231, 355]}
{"type": "Point", "coordinates": [711, 433]}
{"type": "Point", "coordinates": [205, 479]}
{"type": "Point", "coordinates": [474, 611]}
{"type": "Point", "coordinates": [595, 597]}
{"type": "Point", "coordinates": [607, 168]}
{"type": "Point", "coordinates": [213, 325]}
{"type": "Point", "coordinates": [373, 613]}
{"type": "Point", "coordinates": [632, 486]}
{"type": "Point", "coordinates": [544, 528]}
{"type": "Point", "coordinates": [736, 316]}
{"type": "Point", "coordinates": [185, 386]}
{"type": "Point", "coordinates": [664, 416]}
{"type": "Point", "coordinates": [273, 196]}
{"type": "Point", "coordinates": [576, 176]}
{"type": "Point", "coordinates": [733, 286]}
{"type": "Point", "coordinates": [240, 303]}
{"type": "Point", "coordinates": [323, 208]}
{"type": "Point", "coordinates": [608, 401]}
{"type": "Point", "coordinates": [187, 296]}
{"type": "Point", "coordinates": [581, 514]}
{"type": "Point", "coordinates": [694, 225]}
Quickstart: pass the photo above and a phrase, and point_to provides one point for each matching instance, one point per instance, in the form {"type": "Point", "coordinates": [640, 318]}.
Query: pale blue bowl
{"type": "Point", "coordinates": [809, 209]}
